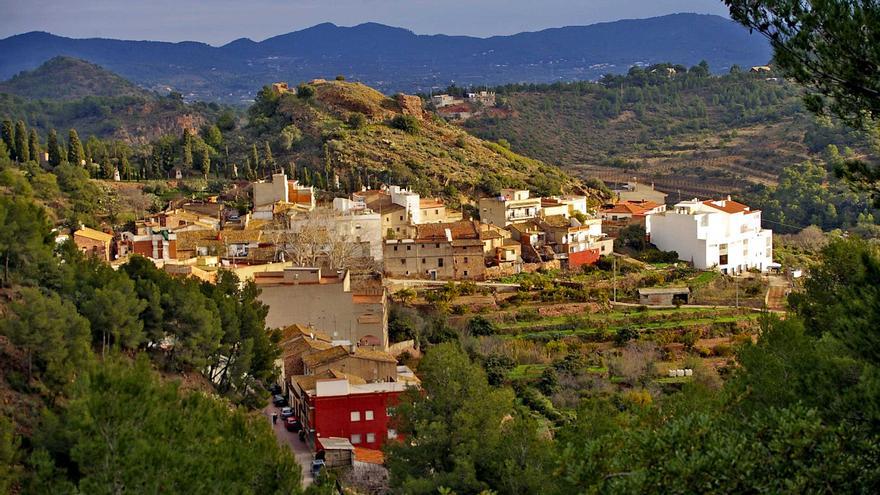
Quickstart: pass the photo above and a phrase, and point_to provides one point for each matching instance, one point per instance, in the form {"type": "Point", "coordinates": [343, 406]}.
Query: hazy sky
{"type": "Point", "coordinates": [220, 21]}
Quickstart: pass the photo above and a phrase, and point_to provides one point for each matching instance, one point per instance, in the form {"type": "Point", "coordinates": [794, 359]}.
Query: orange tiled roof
{"type": "Point", "coordinates": [629, 207]}
{"type": "Point", "coordinates": [297, 330]}
{"type": "Point", "coordinates": [370, 456]}
{"type": "Point", "coordinates": [95, 235]}
{"type": "Point", "coordinates": [727, 206]}
{"type": "Point", "coordinates": [430, 203]}
{"type": "Point", "coordinates": [465, 229]}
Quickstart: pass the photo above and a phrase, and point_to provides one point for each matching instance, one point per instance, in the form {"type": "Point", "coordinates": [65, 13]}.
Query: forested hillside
{"type": "Point", "coordinates": [69, 93]}
{"type": "Point", "coordinates": [126, 380]}
{"type": "Point", "coordinates": [682, 129]}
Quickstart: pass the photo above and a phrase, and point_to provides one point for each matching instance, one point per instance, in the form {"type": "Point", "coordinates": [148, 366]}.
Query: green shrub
{"type": "Point", "coordinates": [406, 123]}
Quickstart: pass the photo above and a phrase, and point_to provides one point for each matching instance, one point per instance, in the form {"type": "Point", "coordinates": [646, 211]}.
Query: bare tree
{"type": "Point", "coordinates": [635, 362]}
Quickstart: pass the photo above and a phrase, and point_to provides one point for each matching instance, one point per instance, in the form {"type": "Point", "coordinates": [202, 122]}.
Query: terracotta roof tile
{"type": "Point", "coordinates": [727, 206]}
{"type": "Point", "coordinates": [465, 229]}
{"type": "Point", "coordinates": [93, 234]}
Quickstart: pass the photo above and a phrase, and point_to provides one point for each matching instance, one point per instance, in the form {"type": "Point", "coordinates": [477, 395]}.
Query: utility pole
{"type": "Point", "coordinates": [614, 272]}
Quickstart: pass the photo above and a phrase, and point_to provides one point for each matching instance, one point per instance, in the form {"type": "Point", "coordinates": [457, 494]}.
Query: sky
{"type": "Point", "coordinates": [220, 21]}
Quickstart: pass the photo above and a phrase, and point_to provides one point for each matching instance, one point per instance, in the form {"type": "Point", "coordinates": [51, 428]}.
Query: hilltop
{"type": "Point", "coordinates": [66, 78]}
{"type": "Point", "coordinates": [364, 137]}
{"type": "Point", "coordinates": [394, 59]}
{"type": "Point", "coordinates": [68, 93]}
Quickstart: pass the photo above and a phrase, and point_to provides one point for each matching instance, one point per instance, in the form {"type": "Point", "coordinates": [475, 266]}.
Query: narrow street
{"type": "Point", "coordinates": [300, 449]}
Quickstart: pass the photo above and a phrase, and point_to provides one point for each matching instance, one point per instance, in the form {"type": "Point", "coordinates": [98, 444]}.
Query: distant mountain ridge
{"type": "Point", "coordinates": [395, 59]}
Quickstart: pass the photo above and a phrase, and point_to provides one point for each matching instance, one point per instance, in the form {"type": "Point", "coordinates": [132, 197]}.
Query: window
{"type": "Point", "coordinates": [409, 248]}
{"type": "Point", "coordinates": [368, 416]}
{"type": "Point", "coordinates": [465, 273]}
{"type": "Point", "coordinates": [389, 411]}
{"type": "Point", "coordinates": [465, 259]}
{"type": "Point", "coordinates": [424, 260]}
{"type": "Point", "coordinates": [403, 262]}
{"type": "Point", "coordinates": [371, 437]}
{"type": "Point", "coordinates": [355, 439]}
{"type": "Point", "coordinates": [355, 416]}
{"type": "Point", "coordinates": [437, 245]}
{"type": "Point", "coordinates": [392, 434]}
{"type": "Point", "coordinates": [436, 212]}
{"type": "Point", "coordinates": [401, 218]}
{"type": "Point", "coordinates": [395, 248]}
{"type": "Point", "coordinates": [722, 260]}
{"type": "Point", "coordinates": [439, 261]}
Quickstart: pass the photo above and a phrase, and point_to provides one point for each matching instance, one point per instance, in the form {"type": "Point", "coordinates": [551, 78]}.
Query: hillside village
{"type": "Point", "coordinates": [330, 271]}
{"type": "Point", "coordinates": [342, 291]}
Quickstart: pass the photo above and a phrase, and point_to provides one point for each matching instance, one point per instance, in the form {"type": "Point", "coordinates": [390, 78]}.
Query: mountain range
{"type": "Point", "coordinates": [395, 59]}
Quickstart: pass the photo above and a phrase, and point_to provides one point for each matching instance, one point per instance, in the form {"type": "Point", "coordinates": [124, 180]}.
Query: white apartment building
{"type": "Point", "coordinates": [511, 206]}
{"type": "Point", "coordinates": [720, 234]}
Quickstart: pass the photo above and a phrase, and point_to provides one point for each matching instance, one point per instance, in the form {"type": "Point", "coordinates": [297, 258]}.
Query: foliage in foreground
{"type": "Point", "coordinates": [799, 415]}
{"type": "Point", "coordinates": [125, 431]}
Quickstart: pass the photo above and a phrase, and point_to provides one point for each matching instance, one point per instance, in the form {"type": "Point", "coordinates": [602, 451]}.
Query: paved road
{"type": "Point", "coordinates": [300, 449]}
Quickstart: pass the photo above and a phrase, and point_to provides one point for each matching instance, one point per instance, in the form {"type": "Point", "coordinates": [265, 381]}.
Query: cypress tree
{"type": "Point", "coordinates": [53, 148]}
{"type": "Point", "coordinates": [22, 153]}
{"type": "Point", "coordinates": [269, 159]}
{"type": "Point", "coordinates": [34, 146]}
{"type": "Point", "coordinates": [205, 161]}
{"type": "Point", "coordinates": [187, 150]}
{"type": "Point", "coordinates": [255, 157]}
{"type": "Point", "coordinates": [9, 137]}
{"type": "Point", "coordinates": [75, 153]}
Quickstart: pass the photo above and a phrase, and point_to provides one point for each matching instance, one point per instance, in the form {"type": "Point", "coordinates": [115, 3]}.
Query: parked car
{"type": "Point", "coordinates": [286, 412]}
{"type": "Point", "coordinates": [275, 389]}
{"type": "Point", "coordinates": [292, 424]}
{"type": "Point", "coordinates": [279, 401]}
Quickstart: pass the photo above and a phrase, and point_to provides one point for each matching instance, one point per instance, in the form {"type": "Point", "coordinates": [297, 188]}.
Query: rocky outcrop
{"type": "Point", "coordinates": [410, 105]}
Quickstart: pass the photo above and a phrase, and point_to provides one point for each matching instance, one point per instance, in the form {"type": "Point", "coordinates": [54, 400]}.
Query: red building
{"type": "Point", "coordinates": [335, 404]}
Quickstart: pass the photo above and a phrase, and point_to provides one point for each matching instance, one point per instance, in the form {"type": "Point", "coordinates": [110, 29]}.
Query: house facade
{"type": "Point", "coordinates": [440, 251]}
{"type": "Point", "coordinates": [511, 206]}
{"type": "Point", "coordinates": [344, 406]}
{"type": "Point", "coordinates": [722, 234]}
{"type": "Point", "coordinates": [94, 243]}
{"type": "Point", "coordinates": [576, 243]}
{"type": "Point", "coordinates": [298, 295]}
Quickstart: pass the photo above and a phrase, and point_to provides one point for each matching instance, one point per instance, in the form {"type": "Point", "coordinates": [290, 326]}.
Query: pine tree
{"type": "Point", "coordinates": [75, 153]}
{"type": "Point", "coordinates": [53, 148]}
{"type": "Point", "coordinates": [268, 158]}
{"type": "Point", "coordinates": [22, 153]}
{"type": "Point", "coordinates": [9, 137]}
{"type": "Point", "coordinates": [34, 146]}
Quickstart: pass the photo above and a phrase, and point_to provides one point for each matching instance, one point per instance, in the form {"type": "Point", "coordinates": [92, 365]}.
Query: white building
{"type": "Point", "coordinates": [281, 190]}
{"type": "Point", "coordinates": [510, 206]}
{"type": "Point", "coordinates": [359, 227]}
{"type": "Point", "coordinates": [721, 234]}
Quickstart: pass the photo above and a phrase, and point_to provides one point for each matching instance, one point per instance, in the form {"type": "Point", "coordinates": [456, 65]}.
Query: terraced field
{"type": "Point", "coordinates": [604, 326]}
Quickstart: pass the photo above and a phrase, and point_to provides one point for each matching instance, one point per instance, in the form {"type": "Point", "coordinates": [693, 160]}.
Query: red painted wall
{"type": "Point", "coordinates": [586, 257]}
{"type": "Point", "coordinates": [332, 417]}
